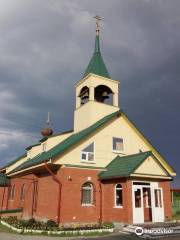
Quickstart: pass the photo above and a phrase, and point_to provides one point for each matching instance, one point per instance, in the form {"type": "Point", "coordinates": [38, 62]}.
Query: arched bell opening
{"type": "Point", "coordinates": [104, 94]}
{"type": "Point", "coordinates": [84, 95]}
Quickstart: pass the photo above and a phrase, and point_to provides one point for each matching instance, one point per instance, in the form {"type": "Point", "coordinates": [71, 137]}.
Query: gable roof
{"type": "Point", "coordinates": [66, 144]}
{"type": "Point", "coordinates": [77, 137]}
{"type": "Point", "coordinates": [125, 166]}
{"type": "Point", "coordinates": [164, 162]}
{"type": "Point", "coordinates": [96, 64]}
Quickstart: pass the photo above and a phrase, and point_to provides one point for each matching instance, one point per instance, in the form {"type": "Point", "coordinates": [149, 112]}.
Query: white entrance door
{"type": "Point", "coordinates": [157, 205]}
{"type": "Point", "coordinates": [138, 208]}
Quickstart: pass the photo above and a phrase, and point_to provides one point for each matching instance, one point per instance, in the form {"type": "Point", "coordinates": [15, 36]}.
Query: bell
{"type": "Point", "coordinates": [105, 95]}
{"type": "Point", "coordinates": [85, 96]}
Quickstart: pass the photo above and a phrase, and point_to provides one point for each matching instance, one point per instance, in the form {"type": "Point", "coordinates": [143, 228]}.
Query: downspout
{"type": "Point", "coordinates": [100, 203]}
{"type": "Point", "coordinates": [60, 187]}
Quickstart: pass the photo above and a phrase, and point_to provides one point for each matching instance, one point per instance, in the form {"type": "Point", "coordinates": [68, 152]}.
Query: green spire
{"type": "Point", "coordinates": [96, 64]}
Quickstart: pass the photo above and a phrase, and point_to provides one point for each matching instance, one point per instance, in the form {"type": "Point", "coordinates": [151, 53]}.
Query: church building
{"type": "Point", "coordinates": [104, 170]}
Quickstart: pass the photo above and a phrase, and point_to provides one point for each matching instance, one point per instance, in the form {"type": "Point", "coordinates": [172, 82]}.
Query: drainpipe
{"type": "Point", "coordinates": [100, 203]}
{"type": "Point", "coordinates": [60, 187]}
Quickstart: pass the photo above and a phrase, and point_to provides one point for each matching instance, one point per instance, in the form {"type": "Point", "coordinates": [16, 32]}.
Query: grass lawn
{"type": "Point", "coordinates": [4, 229]}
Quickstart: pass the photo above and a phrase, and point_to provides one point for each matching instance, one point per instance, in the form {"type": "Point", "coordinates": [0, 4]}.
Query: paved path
{"type": "Point", "coordinates": [9, 236]}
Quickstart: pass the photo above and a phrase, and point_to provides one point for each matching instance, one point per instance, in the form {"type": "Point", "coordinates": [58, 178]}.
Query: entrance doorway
{"type": "Point", "coordinates": [147, 202]}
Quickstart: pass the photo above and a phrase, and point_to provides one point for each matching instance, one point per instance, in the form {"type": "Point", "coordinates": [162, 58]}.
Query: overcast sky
{"type": "Point", "coordinates": [45, 46]}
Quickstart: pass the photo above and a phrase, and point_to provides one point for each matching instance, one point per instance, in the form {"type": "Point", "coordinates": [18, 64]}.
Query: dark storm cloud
{"type": "Point", "coordinates": [45, 46]}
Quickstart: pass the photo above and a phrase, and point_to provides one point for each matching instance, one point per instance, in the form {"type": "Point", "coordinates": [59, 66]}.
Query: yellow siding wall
{"type": "Point", "coordinates": [90, 113]}
{"type": "Point", "coordinates": [10, 168]}
{"type": "Point", "coordinates": [150, 166]}
{"type": "Point", "coordinates": [94, 81]}
{"type": "Point", "coordinates": [119, 127]}
{"type": "Point", "coordinates": [103, 144]}
{"type": "Point", "coordinates": [51, 142]}
{"type": "Point", "coordinates": [34, 151]}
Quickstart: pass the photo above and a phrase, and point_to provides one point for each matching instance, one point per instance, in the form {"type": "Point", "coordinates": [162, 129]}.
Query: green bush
{"type": "Point", "coordinates": [51, 224]}
{"type": "Point", "coordinates": [108, 225]}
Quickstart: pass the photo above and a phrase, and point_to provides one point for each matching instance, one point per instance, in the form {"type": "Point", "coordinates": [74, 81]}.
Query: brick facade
{"type": "Point", "coordinates": [165, 185]}
{"type": "Point", "coordinates": [42, 192]}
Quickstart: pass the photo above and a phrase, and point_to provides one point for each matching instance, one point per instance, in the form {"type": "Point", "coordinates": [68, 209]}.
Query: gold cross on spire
{"type": "Point", "coordinates": [98, 19]}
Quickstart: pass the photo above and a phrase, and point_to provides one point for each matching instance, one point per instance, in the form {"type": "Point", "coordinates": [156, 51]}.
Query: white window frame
{"type": "Point", "coordinates": [87, 154]}
{"type": "Point", "coordinates": [115, 188]}
{"type": "Point", "coordinates": [159, 198]}
{"type": "Point", "coordinates": [114, 150]}
{"type": "Point", "coordinates": [92, 195]}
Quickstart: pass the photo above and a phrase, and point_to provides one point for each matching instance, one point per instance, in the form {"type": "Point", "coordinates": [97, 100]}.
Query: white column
{"type": "Point", "coordinates": [91, 93]}
{"type": "Point", "coordinates": [115, 100]}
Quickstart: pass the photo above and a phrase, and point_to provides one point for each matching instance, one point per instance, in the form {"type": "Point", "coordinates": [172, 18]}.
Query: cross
{"type": "Point", "coordinates": [98, 19]}
{"type": "Point", "coordinates": [48, 118]}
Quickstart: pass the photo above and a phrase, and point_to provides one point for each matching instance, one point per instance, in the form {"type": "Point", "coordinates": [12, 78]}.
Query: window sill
{"type": "Point", "coordinates": [120, 207]}
{"type": "Point", "coordinates": [119, 152]}
{"type": "Point", "coordinates": [91, 162]}
{"type": "Point", "coordinates": [87, 205]}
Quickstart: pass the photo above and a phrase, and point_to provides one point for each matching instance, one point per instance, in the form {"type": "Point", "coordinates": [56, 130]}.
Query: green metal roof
{"type": "Point", "coordinates": [96, 64]}
{"type": "Point", "coordinates": [4, 180]}
{"type": "Point", "coordinates": [54, 135]}
{"type": "Point", "coordinates": [124, 166]}
{"type": "Point", "coordinates": [34, 145]}
{"type": "Point", "coordinates": [66, 144]}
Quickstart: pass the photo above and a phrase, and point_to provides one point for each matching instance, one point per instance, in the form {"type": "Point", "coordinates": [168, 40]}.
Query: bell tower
{"type": "Point", "coordinates": [96, 93]}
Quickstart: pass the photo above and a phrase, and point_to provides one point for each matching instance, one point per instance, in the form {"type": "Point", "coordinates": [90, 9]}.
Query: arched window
{"type": "Point", "coordinates": [87, 194]}
{"type": "Point", "coordinates": [84, 95]}
{"type": "Point", "coordinates": [118, 195]}
{"type": "Point", "coordinates": [103, 94]}
{"type": "Point", "coordinates": [22, 196]}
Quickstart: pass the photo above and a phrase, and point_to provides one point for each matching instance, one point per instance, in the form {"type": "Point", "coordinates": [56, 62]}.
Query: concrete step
{"type": "Point", "coordinates": [129, 228]}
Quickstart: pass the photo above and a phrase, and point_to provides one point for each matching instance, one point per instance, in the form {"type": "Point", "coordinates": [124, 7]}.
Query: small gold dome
{"type": "Point", "coordinates": [46, 132]}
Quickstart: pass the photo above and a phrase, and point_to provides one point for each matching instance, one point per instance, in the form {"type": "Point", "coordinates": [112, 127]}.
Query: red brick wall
{"type": "Point", "coordinates": [26, 204]}
{"type": "Point", "coordinates": [71, 210]}
{"type": "Point", "coordinates": [47, 198]}
{"type": "Point", "coordinates": [166, 199]}
{"type": "Point", "coordinates": [3, 200]}
{"type": "Point", "coordinates": [110, 212]}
